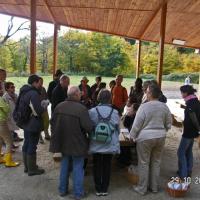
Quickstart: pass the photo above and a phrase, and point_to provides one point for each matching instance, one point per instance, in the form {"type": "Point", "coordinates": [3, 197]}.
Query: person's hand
{"type": "Point", "coordinates": [133, 140]}
{"type": "Point", "coordinates": [45, 103]}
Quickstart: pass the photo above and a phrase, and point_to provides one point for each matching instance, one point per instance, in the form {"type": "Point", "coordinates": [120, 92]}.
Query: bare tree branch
{"type": "Point", "coordinates": [9, 32]}
{"type": "Point", "coordinates": [20, 28]}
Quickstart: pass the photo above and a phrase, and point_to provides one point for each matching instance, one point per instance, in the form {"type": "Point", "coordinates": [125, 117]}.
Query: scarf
{"type": "Point", "coordinates": [192, 96]}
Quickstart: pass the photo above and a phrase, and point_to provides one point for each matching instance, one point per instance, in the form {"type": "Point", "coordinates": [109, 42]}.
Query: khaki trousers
{"type": "Point", "coordinates": [5, 136]}
{"type": "Point", "coordinates": [149, 159]}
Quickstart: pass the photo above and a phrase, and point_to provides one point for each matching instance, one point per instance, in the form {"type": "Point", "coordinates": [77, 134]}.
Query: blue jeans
{"type": "Point", "coordinates": [31, 140]}
{"type": "Point", "coordinates": [78, 175]}
{"type": "Point", "coordinates": [185, 157]}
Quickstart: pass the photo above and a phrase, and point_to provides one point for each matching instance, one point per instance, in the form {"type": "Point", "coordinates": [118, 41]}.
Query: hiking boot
{"type": "Point", "coordinates": [25, 162]}
{"type": "Point", "coordinates": [33, 169]}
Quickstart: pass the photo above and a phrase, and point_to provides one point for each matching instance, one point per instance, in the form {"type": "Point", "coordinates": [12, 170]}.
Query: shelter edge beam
{"type": "Point", "coordinates": [79, 7]}
{"type": "Point", "coordinates": [138, 58]}
{"type": "Point", "coordinates": [33, 38]}
{"type": "Point", "coordinates": [100, 8]}
{"type": "Point", "coordinates": [161, 42]}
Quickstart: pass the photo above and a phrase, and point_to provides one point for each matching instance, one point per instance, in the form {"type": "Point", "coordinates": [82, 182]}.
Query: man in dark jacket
{"type": "Point", "coordinates": [29, 95]}
{"type": "Point", "coordinates": [59, 93]}
{"type": "Point", "coordinates": [54, 83]}
{"type": "Point", "coordinates": [70, 123]}
{"type": "Point", "coordinates": [95, 86]}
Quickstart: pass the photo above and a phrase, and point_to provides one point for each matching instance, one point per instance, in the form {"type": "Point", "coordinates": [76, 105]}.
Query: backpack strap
{"type": "Point", "coordinates": [106, 118]}
{"type": "Point", "coordinates": [99, 115]}
{"type": "Point", "coordinates": [19, 97]}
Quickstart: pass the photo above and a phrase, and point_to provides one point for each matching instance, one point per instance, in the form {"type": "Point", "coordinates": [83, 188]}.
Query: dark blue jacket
{"type": "Point", "coordinates": [58, 95]}
{"type": "Point", "coordinates": [51, 87]}
{"type": "Point", "coordinates": [31, 97]}
{"type": "Point", "coordinates": [189, 130]}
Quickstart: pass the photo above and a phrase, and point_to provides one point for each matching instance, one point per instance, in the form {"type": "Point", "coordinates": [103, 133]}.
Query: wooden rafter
{"type": "Point", "coordinates": [50, 11]}
{"type": "Point", "coordinates": [151, 20]}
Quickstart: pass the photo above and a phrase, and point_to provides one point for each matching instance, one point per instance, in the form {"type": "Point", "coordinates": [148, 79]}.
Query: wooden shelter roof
{"type": "Point", "coordinates": [138, 19]}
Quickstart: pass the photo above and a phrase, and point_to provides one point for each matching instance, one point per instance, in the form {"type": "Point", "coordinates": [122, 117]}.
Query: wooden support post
{"type": "Point", "coordinates": [55, 48]}
{"type": "Point", "coordinates": [138, 58]}
{"type": "Point", "coordinates": [33, 38]}
{"type": "Point", "coordinates": [161, 42]}
{"type": "Point", "coordinates": [199, 86]}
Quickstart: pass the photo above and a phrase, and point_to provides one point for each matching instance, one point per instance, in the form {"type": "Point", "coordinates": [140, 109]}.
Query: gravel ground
{"type": "Point", "coordinates": [15, 185]}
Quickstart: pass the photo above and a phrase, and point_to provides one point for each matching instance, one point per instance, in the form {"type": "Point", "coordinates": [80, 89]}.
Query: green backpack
{"type": "Point", "coordinates": [104, 129]}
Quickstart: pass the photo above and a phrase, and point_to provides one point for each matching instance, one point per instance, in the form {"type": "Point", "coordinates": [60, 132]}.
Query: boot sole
{"type": "Point", "coordinates": [35, 174]}
{"type": "Point", "coordinates": [11, 166]}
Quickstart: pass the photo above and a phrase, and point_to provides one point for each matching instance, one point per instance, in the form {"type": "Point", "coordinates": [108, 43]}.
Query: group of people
{"type": "Point", "coordinates": [86, 120]}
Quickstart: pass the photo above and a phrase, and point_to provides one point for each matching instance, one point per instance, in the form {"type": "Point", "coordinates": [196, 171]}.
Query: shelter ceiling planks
{"type": "Point", "coordinates": [139, 19]}
{"type": "Point", "coordinates": [182, 23]}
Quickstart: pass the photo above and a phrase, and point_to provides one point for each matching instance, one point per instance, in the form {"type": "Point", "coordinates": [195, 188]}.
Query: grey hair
{"type": "Point", "coordinates": [154, 90]}
{"type": "Point", "coordinates": [72, 92]}
{"type": "Point", "coordinates": [104, 96]}
{"type": "Point", "coordinates": [64, 77]}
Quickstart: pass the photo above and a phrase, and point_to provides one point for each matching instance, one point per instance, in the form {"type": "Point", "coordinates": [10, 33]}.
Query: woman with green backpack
{"type": "Point", "coordinates": [5, 135]}
{"type": "Point", "coordinates": [104, 140]}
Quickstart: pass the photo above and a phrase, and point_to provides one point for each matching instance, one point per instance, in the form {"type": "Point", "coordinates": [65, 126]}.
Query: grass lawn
{"type": "Point", "coordinates": [75, 80]}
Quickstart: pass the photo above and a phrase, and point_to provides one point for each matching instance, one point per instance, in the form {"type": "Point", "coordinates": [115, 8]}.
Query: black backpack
{"type": "Point", "coordinates": [22, 111]}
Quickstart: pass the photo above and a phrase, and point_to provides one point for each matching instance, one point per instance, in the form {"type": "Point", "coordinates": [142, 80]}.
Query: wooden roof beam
{"type": "Point", "coordinates": [50, 11]}
{"type": "Point", "coordinates": [68, 6]}
{"type": "Point", "coordinates": [151, 19]}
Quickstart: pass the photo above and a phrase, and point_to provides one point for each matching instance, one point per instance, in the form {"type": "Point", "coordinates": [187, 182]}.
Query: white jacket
{"type": "Point", "coordinates": [11, 123]}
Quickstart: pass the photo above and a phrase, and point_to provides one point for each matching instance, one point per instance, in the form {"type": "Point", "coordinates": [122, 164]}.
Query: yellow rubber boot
{"type": "Point", "coordinates": [9, 162]}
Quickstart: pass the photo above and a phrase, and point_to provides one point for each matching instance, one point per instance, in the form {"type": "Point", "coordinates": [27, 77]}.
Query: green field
{"type": "Point", "coordinates": [75, 80]}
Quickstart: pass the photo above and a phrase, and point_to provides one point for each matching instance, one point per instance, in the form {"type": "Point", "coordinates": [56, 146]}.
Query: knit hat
{"type": "Point", "coordinates": [33, 78]}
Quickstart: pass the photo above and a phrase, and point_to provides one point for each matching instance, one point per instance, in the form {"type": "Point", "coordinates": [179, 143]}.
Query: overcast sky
{"type": "Point", "coordinates": [42, 28]}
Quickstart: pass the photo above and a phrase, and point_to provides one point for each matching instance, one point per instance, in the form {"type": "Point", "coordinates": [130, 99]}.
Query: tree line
{"type": "Point", "coordinates": [95, 53]}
